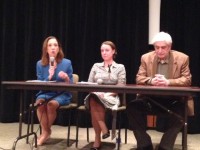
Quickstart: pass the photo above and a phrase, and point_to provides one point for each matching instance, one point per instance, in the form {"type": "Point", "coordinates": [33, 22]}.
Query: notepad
{"type": "Point", "coordinates": [38, 81]}
{"type": "Point", "coordinates": [84, 82]}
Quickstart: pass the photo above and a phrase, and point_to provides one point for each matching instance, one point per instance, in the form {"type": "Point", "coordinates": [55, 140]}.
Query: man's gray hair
{"type": "Point", "coordinates": [162, 36]}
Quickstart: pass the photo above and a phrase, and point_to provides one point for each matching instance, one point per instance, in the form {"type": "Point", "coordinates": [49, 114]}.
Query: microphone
{"type": "Point", "coordinates": [109, 71]}
{"type": "Point", "coordinates": [100, 81]}
{"type": "Point", "coordinates": [52, 59]}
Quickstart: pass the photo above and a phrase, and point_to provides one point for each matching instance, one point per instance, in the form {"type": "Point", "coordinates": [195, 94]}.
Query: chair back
{"type": "Point", "coordinates": [75, 78]}
{"type": "Point", "coordinates": [75, 93]}
{"type": "Point", "coordinates": [122, 97]}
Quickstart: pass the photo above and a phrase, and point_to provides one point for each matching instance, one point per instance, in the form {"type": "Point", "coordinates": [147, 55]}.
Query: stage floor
{"type": "Point", "coordinates": [57, 141]}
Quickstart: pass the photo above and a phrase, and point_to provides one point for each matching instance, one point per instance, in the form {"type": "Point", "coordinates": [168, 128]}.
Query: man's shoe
{"type": "Point", "coordinates": [160, 148]}
{"type": "Point", "coordinates": [149, 147]}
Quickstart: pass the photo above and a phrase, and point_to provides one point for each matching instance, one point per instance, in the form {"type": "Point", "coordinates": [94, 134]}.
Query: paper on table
{"type": "Point", "coordinates": [38, 81]}
{"type": "Point", "coordinates": [83, 82]}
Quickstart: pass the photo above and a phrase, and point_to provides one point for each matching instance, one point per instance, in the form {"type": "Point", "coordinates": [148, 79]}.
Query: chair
{"type": "Point", "coordinates": [72, 106]}
{"type": "Point", "coordinates": [119, 111]}
{"type": "Point", "coordinates": [152, 116]}
{"type": "Point", "coordinates": [81, 109]}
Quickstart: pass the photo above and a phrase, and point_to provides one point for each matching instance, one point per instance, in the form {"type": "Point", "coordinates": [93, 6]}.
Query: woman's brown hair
{"type": "Point", "coordinates": [45, 55]}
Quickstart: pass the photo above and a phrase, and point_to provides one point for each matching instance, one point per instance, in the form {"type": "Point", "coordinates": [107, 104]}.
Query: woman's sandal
{"type": "Point", "coordinates": [106, 135]}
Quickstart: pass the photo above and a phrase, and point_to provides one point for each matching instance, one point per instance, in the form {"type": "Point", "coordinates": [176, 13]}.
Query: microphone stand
{"type": "Point", "coordinates": [114, 120]}
{"type": "Point", "coordinates": [109, 71]}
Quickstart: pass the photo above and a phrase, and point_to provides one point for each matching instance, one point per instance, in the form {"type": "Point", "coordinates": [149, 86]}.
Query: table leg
{"type": "Point", "coordinates": [184, 139]}
{"type": "Point", "coordinates": [20, 136]}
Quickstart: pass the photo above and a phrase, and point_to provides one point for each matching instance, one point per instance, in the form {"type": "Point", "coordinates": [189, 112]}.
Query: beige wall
{"type": "Point", "coordinates": [154, 18]}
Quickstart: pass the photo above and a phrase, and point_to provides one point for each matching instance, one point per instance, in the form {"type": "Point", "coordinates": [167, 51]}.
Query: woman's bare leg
{"type": "Point", "coordinates": [43, 119]}
{"type": "Point", "coordinates": [52, 107]}
{"type": "Point", "coordinates": [98, 120]}
{"type": "Point", "coordinates": [46, 115]}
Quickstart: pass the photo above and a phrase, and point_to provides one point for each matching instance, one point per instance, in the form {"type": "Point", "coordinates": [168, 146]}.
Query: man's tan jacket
{"type": "Point", "coordinates": [178, 74]}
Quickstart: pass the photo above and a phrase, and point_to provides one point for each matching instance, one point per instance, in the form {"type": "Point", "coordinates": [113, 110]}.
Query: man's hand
{"type": "Point", "coordinates": [159, 80]}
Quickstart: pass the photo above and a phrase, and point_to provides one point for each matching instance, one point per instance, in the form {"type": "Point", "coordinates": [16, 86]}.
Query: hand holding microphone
{"type": "Point", "coordinates": [51, 67]}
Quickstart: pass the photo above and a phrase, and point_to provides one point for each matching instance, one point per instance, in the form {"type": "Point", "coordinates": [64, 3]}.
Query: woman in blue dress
{"type": "Point", "coordinates": [52, 67]}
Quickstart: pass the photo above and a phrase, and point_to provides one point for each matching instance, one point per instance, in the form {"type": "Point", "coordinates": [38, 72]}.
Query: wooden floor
{"type": "Point", "coordinates": [9, 133]}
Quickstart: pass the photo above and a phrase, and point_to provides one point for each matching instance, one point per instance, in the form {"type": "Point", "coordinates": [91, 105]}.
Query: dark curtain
{"type": "Point", "coordinates": [180, 18]}
{"type": "Point", "coordinates": [81, 26]}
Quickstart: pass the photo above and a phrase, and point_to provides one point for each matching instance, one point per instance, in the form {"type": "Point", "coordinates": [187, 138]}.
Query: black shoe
{"type": "Point", "coordinates": [149, 147]}
{"type": "Point", "coordinates": [160, 148]}
{"type": "Point", "coordinates": [95, 148]}
{"type": "Point", "coordinates": [106, 135]}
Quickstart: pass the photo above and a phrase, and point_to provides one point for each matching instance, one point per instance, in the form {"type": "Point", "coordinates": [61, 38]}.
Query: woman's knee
{"type": "Point", "coordinates": [40, 104]}
{"type": "Point", "coordinates": [94, 103]}
{"type": "Point", "coordinates": [52, 105]}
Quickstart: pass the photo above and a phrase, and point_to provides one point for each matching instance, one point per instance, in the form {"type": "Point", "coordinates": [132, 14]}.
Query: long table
{"type": "Point", "coordinates": [125, 89]}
